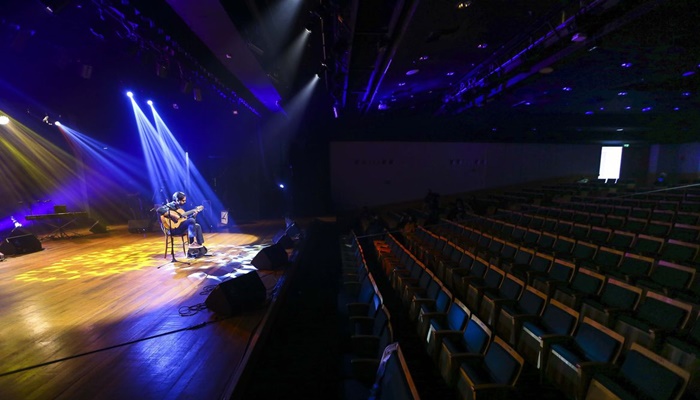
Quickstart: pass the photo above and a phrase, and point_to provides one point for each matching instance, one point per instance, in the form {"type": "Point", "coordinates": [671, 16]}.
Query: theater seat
{"type": "Point", "coordinates": [654, 319]}
{"type": "Point", "coordinates": [557, 320]}
{"type": "Point", "coordinates": [643, 374]}
{"type": "Point", "coordinates": [455, 346]}
{"type": "Point", "coordinates": [572, 361]}
{"type": "Point", "coordinates": [491, 376]}
{"type": "Point", "coordinates": [392, 379]}
{"type": "Point", "coordinates": [441, 324]}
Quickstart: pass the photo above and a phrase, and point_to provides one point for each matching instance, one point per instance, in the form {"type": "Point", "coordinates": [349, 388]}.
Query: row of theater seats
{"type": "Point", "coordinates": [572, 335]}
{"type": "Point", "coordinates": [635, 258]}
{"type": "Point", "coordinates": [526, 227]}
{"type": "Point", "coordinates": [685, 213]}
{"type": "Point", "coordinates": [623, 253]}
{"type": "Point", "coordinates": [470, 359]}
{"type": "Point", "coordinates": [373, 362]}
{"type": "Point", "coordinates": [680, 226]}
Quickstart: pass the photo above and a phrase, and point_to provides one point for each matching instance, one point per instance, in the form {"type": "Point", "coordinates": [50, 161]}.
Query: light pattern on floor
{"type": "Point", "coordinates": [139, 256]}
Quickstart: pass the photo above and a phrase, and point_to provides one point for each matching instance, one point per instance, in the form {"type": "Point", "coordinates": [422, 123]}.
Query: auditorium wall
{"type": "Point", "coordinates": [376, 173]}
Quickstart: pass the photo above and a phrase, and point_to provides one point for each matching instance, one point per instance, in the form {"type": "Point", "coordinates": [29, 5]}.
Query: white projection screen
{"type": "Point", "coordinates": [610, 160]}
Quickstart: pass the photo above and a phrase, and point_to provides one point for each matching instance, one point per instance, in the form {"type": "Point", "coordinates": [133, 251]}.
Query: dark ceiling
{"type": "Point", "coordinates": [487, 70]}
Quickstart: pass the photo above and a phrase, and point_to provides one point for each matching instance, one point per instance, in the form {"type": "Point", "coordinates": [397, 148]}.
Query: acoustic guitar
{"type": "Point", "coordinates": [173, 218]}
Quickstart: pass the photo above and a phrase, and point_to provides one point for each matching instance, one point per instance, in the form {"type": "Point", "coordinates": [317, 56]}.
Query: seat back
{"type": "Point", "coordinates": [663, 312]}
{"type": "Point", "coordinates": [607, 258]}
{"type": "Point", "coordinates": [523, 256]}
{"type": "Point", "coordinates": [618, 294]}
{"type": "Point", "coordinates": [559, 319]}
{"type": "Point", "coordinates": [621, 239]}
{"type": "Point", "coordinates": [493, 278]}
{"type": "Point", "coordinates": [541, 262]}
{"type": "Point", "coordinates": [477, 335]}
{"type": "Point", "coordinates": [679, 251]}
{"type": "Point", "coordinates": [511, 288]}
{"type": "Point", "coordinates": [503, 363]}
{"type": "Point", "coordinates": [583, 251]}
{"type": "Point", "coordinates": [597, 342]}
{"type": "Point", "coordinates": [561, 271]}
{"type": "Point", "coordinates": [443, 300]}
{"type": "Point", "coordinates": [532, 301]}
{"type": "Point", "coordinates": [587, 281]}
{"type": "Point", "coordinates": [648, 245]}
{"type": "Point", "coordinates": [457, 316]}
{"type": "Point", "coordinates": [653, 375]}
{"type": "Point", "coordinates": [668, 275]}
{"type": "Point", "coordinates": [635, 265]}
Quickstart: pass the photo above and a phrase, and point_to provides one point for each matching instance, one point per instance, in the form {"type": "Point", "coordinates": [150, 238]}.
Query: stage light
{"type": "Point", "coordinates": [129, 95]}
{"type": "Point", "coordinates": [149, 102]}
{"type": "Point", "coordinates": [58, 123]}
{"type": "Point", "coordinates": [4, 120]}
{"type": "Point", "coordinates": [281, 185]}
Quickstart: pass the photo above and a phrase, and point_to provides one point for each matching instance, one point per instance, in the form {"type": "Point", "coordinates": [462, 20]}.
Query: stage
{"type": "Point", "coordinates": [107, 316]}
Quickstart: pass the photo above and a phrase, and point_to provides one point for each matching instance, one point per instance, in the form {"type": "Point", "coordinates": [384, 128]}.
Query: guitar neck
{"type": "Point", "coordinates": [188, 213]}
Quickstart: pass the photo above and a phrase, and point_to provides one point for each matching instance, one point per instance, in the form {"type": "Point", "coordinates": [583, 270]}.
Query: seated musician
{"type": "Point", "coordinates": [177, 221]}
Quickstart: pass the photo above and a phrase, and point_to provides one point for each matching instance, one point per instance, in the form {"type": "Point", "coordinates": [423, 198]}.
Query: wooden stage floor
{"type": "Point", "coordinates": [106, 316]}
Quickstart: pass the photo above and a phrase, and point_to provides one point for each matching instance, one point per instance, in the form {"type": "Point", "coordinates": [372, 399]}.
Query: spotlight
{"type": "Point", "coordinates": [149, 102]}
{"type": "Point", "coordinates": [281, 185]}
{"type": "Point", "coordinates": [4, 120]}
{"type": "Point", "coordinates": [58, 123]}
{"type": "Point", "coordinates": [308, 27]}
{"type": "Point", "coordinates": [129, 95]}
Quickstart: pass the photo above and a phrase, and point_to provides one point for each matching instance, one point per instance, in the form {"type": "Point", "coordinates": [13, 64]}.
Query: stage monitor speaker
{"type": "Point", "coordinates": [98, 227]}
{"type": "Point", "coordinates": [139, 225]}
{"type": "Point", "coordinates": [21, 242]}
{"type": "Point", "coordinates": [237, 294]}
{"type": "Point", "coordinates": [271, 257]}
{"type": "Point", "coordinates": [283, 239]}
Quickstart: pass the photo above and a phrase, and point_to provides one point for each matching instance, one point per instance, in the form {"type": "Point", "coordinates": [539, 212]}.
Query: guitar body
{"type": "Point", "coordinates": [172, 219]}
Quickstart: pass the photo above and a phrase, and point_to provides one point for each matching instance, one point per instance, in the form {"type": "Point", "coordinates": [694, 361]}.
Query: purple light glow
{"type": "Point", "coordinates": [626, 65]}
{"type": "Point", "coordinates": [689, 73]}
{"type": "Point", "coordinates": [645, 109]}
{"type": "Point", "coordinates": [566, 89]}
{"type": "Point", "coordinates": [589, 112]}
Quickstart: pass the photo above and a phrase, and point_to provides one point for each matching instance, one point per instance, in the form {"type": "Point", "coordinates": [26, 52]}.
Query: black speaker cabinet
{"type": "Point", "coordinates": [21, 242]}
{"type": "Point", "coordinates": [283, 239]}
{"type": "Point", "coordinates": [271, 257]}
{"type": "Point", "coordinates": [98, 227]}
{"type": "Point", "coordinates": [237, 294]}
